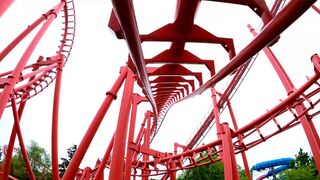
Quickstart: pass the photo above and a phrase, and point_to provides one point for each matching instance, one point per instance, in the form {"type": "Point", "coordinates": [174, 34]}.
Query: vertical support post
{"type": "Point", "coordinates": [13, 134]}
{"type": "Point", "coordinates": [216, 116]}
{"type": "Point", "coordinates": [243, 153]}
{"type": "Point", "coordinates": [12, 139]}
{"type": "Point", "coordinates": [85, 174]}
{"type": "Point", "coordinates": [105, 159]}
{"type": "Point", "coordinates": [98, 165]}
{"type": "Point", "coordinates": [21, 142]}
{"type": "Point", "coordinates": [146, 144]}
{"type": "Point", "coordinates": [306, 122]}
{"type": "Point", "coordinates": [117, 161]}
{"type": "Point", "coordinates": [55, 121]}
{"type": "Point", "coordinates": [173, 173]}
{"type": "Point", "coordinates": [229, 159]}
{"type": "Point", "coordinates": [135, 102]}
{"type": "Point", "coordinates": [86, 140]}
{"type": "Point", "coordinates": [140, 134]}
{"type": "Point", "coordinates": [7, 90]}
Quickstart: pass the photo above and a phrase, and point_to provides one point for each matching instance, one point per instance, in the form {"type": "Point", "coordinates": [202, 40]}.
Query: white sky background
{"type": "Point", "coordinates": [97, 56]}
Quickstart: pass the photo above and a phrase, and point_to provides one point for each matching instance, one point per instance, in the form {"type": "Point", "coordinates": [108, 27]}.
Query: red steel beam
{"type": "Point", "coordinates": [25, 57]}
{"type": "Point", "coordinates": [136, 99]}
{"type": "Point", "coordinates": [104, 161]}
{"type": "Point", "coordinates": [21, 36]}
{"type": "Point", "coordinates": [21, 142]}
{"type": "Point", "coordinates": [7, 160]}
{"type": "Point", "coordinates": [4, 5]}
{"type": "Point", "coordinates": [282, 105]}
{"type": "Point", "coordinates": [120, 138]}
{"type": "Point", "coordinates": [184, 20]}
{"type": "Point", "coordinates": [306, 122]}
{"type": "Point", "coordinates": [55, 121]}
{"type": "Point", "coordinates": [91, 131]}
{"type": "Point", "coordinates": [316, 9]}
{"type": "Point", "coordinates": [243, 154]}
{"type": "Point", "coordinates": [124, 12]}
{"type": "Point", "coordinates": [216, 116]}
{"type": "Point", "coordinates": [229, 159]}
{"type": "Point", "coordinates": [14, 131]}
{"type": "Point", "coordinates": [291, 12]}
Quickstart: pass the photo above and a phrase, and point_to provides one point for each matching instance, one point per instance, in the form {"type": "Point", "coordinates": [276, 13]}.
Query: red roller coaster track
{"type": "Point", "coordinates": [164, 80]}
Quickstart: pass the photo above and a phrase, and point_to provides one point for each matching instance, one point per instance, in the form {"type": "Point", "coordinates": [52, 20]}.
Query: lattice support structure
{"type": "Point", "coordinates": [164, 80]}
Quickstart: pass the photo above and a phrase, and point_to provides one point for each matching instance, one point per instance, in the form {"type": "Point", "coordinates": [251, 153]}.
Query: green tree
{"type": "Point", "coordinates": [66, 161]}
{"type": "Point", "coordinates": [242, 173]}
{"type": "Point", "coordinates": [302, 167]}
{"type": "Point", "coordinates": [39, 160]}
{"type": "Point", "coordinates": [208, 172]}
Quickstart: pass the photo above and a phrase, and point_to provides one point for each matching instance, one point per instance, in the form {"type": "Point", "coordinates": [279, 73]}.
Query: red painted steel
{"type": "Point", "coordinates": [229, 159]}
{"type": "Point", "coordinates": [117, 160]}
{"type": "Point", "coordinates": [55, 120]}
{"type": "Point", "coordinates": [5, 4]}
{"type": "Point", "coordinates": [164, 80]}
{"type": "Point", "coordinates": [240, 138]}
{"type": "Point", "coordinates": [25, 57]}
{"type": "Point", "coordinates": [21, 142]}
{"type": "Point", "coordinates": [216, 115]}
{"type": "Point", "coordinates": [294, 9]}
{"type": "Point", "coordinates": [316, 9]}
{"type": "Point", "coordinates": [306, 122]}
{"type": "Point", "coordinates": [86, 140]}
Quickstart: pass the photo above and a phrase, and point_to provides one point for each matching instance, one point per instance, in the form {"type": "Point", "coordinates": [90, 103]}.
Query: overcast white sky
{"type": "Point", "coordinates": [97, 56]}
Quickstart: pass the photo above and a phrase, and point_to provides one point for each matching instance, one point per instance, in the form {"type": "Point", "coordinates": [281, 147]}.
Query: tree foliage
{"type": "Point", "coordinates": [39, 160]}
{"type": "Point", "coordinates": [66, 161]}
{"type": "Point", "coordinates": [302, 167]}
{"type": "Point", "coordinates": [211, 171]}
{"type": "Point", "coordinates": [208, 172]}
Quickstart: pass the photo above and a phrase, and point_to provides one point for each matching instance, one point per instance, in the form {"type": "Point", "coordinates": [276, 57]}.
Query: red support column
{"type": "Point", "coordinates": [22, 35]}
{"type": "Point", "coordinates": [10, 147]}
{"type": "Point", "coordinates": [229, 159]}
{"type": "Point", "coordinates": [85, 174]}
{"type": "Point", "coordinates": [173, 173]}
{"type": "Point", "coordinates": [135, 101]}
{"type": "Point", "coordinates": [294, 9]}
{"type": "Point", "coordinates": [7, 90]}
{"type": "Point", "coordinates": [316, 9]}
{"type": "Point", "coordinates": [21, 142]}
{"type": "Point", "coordinates": [306, 122]}
{"type": "Point", "coordinates": [117, 161]}
{"type": "Point", "coordinates": [55, 120]}
{"type": "Point", "coordinates": [86, 140]}
{"type": "Point", "coordinates": [146, 144]}
{"type": "Point", "coordinates": [4, 5]}
{"type": "Point", "coordinates": [104, 161]}
{"type": "Point", "coordinates": [243, 153]}
{"type": "Point", "coordinates": [216, 116]}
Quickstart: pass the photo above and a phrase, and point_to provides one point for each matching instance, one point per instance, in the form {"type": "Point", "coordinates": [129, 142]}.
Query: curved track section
{"type": "Point", "coordinates": [32, 76]}
{"type": "Point", "coordinates": [36, 76]}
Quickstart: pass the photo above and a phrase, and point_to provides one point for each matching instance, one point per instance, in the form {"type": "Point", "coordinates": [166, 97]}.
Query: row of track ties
{"type": "Point", "coordinates": [166, 80]}
{"type": "Point", "coordinates": [230, 91]}
{"type": "Point", "coordinates": [38, 75]}
{"type": "Point", "coordinates": [284, 107]}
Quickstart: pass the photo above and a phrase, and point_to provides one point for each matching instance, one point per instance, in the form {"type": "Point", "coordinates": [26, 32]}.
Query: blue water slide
{"type": "Point", "coordinates": [271, 163]}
